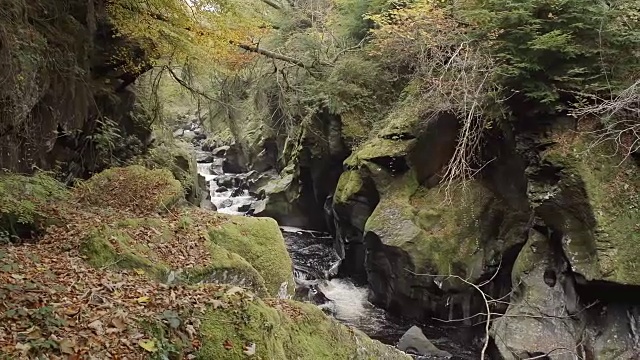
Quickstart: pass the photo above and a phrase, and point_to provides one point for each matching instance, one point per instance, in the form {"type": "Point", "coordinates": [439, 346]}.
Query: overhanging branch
{"type": "Point", "coordinates": [273, 55]}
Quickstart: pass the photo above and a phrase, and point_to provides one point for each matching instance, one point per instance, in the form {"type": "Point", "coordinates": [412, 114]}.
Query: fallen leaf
{"type": "Point", "coordinates": [234, 290]}
{"type": "Point", "coordinates": [97, 327]}
{"type": "Point", "coordinates": [228, 345]}
{"type": "Point", "coordinates": [148, 345]}
{"type": "Point", "coordinates": [191, 331]}
{"type": "Point", "coordinates": [23, 347]}
{"type": "Point", "coordinates": [66, 347]}
{"type": "Point", "coordinates": [143, 300]}
{"type": "Point", "coordinates": [139, 271]}
{"type": "Point", "coordinates": [32, 333]}
{"type": "Point", "coordinates": [119, 323]}
{"type": "Point", "coordinates": [216, 303]}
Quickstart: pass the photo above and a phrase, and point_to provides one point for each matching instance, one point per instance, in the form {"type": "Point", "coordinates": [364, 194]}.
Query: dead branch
{"type": "Point", "coordinates": [621, 121]}
{"type": "Point", "coordinates": [485, 297]}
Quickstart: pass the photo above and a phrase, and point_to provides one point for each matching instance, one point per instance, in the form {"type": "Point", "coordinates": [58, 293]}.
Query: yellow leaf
{"type": "Point", "coordinates": [148, 345]}
{"type": "Point", "coordinates": [143, 300]}
{"type": "Point", "coordinates": [139, 271]}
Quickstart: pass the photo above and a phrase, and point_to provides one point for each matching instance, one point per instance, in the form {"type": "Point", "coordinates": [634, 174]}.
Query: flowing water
{"type": "Point", "coordinates": [315, 265]}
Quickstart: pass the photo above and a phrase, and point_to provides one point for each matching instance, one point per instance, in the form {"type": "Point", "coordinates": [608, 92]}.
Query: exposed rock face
{"type": "Point", "coordinates": [310, 168]}
{"type": "Point", "coordinates": [52, 107]}
{"type": "Point", "coordinates": [545, 218]}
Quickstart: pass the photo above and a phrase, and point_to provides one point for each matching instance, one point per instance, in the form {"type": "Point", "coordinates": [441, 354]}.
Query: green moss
{"type": "Point", "coordinates": [350, 183]}
{"type": "Point", "coordinates": [379, 147]}
{"type": "Point", "coordinates": [21, 202]}
{"type": "Point", "coordinates": [610, 249]}
{"type": "Point", "coordinates": [114, 248]}
{"type": "Point", "coordinates": [259, 241]}
{"type": "Point", "coordinates": [133, 188]}
{"type": "Point", "coordinates": [228, 268]}
{"type": "Point", "coordinates": [177, 157]}
{"type": "Point", "coordinates": [300, 331]}
{"type": "Point", "coordinates": [439, 230]}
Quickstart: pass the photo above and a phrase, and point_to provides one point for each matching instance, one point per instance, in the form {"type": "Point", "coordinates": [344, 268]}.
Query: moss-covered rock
{"type": "Point", "coordinates": [285, 330]}
{"type": "Point", "coordinates": [542, 289]}
{"type": "Point", "coordinates": [594, 203]}
{"type": "Point", "coordinates": [112, 247]}
{"type": "Point", "coordinates": [463, 230]}
{"type": "Point", "coordinates": [350, 183]}
{"type": "Point", "coordinates": [227, 267]}
{"type": "Point", "coordinates": [134, 189]}
{"type": "Point", "coordinates": [177, 157]}
{"type": "Point", "coordinates": [260, 242]}
{"type": "Point", "coordinates": [22, 199]}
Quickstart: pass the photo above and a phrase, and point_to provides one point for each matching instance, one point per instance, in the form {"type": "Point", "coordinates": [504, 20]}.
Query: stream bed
{"type": "Point", "coordinates": [315, 265]}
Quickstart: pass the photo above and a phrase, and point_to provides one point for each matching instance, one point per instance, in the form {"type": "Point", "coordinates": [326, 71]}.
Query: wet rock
{"type": "Point", "coordinates": [209, 147]}
{"type": "Point", "coordinates": [221, 189]}
{"type": "Point", "coordinates": [414, 342]}
{"type": "Point", "coordinates": [244, 208]}
{"type": "Point", "coordinates": [226, 203]}
{"type": "Point", "coordinates": [178, 133]}
{"type": "Point", "coordinates": [237, 192]}
{"type": "Point", "coordinates": [189, 135]}
{"type": "Point", "coordinates": [199, 136]}
{"type": "Point", "coordinates": [235, 161]}
{"type": "Point", "coordinates": [202, 157]}
{"type": "Point", "coordinates": [225, 180]}
{"type": "Point", "coordinates": [220, 151]}
{"type": "Point", "coordinates": [207, 205]}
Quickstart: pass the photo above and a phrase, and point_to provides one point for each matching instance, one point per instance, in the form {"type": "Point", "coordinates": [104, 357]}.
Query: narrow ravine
{"type": "Point", "coordinates": [316, 264]}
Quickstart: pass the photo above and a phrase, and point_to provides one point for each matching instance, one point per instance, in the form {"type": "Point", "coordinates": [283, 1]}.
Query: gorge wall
{"type": "Point", "coordinates": [65, 101]}
{"type": "Point", "coordinates": [547, 224]}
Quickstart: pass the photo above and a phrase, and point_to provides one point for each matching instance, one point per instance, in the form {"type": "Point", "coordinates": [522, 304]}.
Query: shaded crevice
{"type": "Point", "coordinates": [395, 165]}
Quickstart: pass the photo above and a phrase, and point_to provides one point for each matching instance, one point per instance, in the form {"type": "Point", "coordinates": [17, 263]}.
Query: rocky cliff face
{"type": "Point", "coordinates": [547, 224]}
{"type": "Point", "coordinates": [63, 93]}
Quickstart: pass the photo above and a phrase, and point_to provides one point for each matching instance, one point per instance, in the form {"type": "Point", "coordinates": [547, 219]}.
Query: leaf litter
{"type": "Point", "coordinates": [53, 303]}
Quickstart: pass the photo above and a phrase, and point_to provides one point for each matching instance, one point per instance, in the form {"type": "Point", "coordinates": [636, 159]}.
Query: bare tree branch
{"type": "Point", "coordinates": [273, 55]}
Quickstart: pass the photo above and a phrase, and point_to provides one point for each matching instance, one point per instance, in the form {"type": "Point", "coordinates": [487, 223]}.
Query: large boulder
{"type": "Point", "coordinates": [414, 342]}
{"type": "Point", "coordinates": [260, 242]}
{"type": "Point", "coordinates": [539, 317]}
{"type": "Point", "coordinates": [417, 232]}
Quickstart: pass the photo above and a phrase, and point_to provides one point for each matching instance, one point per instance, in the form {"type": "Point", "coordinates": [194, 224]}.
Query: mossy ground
{"type": "Point", "coordinates": [284, 330]}
{"type": "Point", "coordinates": [133, 189]}
{"type": "Point", "coordinates": [612, 185]}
